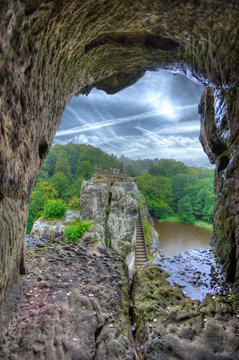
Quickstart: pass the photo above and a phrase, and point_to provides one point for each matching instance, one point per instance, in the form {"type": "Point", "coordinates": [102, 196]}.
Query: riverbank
{"type": "Point", "coordinates": [175, 218]}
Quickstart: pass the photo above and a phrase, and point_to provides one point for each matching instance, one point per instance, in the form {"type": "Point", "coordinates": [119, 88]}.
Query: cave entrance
{"type": "Point", "coordinates": [157, 117]}
{"type": "Point", "coordinates": [51, 52]}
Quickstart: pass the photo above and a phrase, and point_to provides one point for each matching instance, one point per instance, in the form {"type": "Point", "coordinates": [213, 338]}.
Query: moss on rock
{"type": "Point", "coordinates": [172, 326]}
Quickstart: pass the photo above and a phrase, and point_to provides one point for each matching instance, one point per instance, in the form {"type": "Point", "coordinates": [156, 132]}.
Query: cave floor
{"type": "Point", "coordinates": [72, 304]}
{"type": "Point", "coordinates": [77, 303]}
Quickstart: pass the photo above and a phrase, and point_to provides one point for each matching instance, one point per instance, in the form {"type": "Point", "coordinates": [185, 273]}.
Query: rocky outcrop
{"type": "Point", "coordinates": [112, 205]}
{"type": "Point", "coordinates": [170, 326]}
{"type": "Point", "coordinates": [53, 50]}
{"type": "Point", "coordinates": [73, 304]}
{"type": "Point", "coordinates": [121, 222]}
{"type": "Point", "coordinates": [76, 303]}
{"type": "Point", "coordinates": [53, 229]}
{"type": "Point", "coordinates": [219, 137]}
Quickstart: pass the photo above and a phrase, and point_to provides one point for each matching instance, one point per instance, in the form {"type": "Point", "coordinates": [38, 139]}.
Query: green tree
{"type": "Point", "coordinates": [85, 169]}
{"type": "Point", "coordinates": [75, 188]}
{"type": "Point", "coordinates": [57, 151]}
{"type": "Point", "coordinates": [63, 165]}
{"type": "Point", "coordinates": [185, 210]}
{"type": "Point", "coordinates": [43, 191]}
{"type": "Point", "coordinates": [62, 184]}
{"type": "Point", "coordinates": [208, 210]}
{"type": "Point", "coordinates": [168, 167]}
{"type": "Point", "coordinates": [157, 192]}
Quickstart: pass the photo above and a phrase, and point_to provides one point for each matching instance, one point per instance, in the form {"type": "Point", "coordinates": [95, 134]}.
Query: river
{"type": "Point", "coordinates": [176, 237]}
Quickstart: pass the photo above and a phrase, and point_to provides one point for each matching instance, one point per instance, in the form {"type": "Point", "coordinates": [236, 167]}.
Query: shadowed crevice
{"type": "Point", "coordinates": [150, 41]}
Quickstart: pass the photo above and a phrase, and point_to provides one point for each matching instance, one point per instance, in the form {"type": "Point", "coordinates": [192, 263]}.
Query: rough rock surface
{"type": "Point", "coordinates": [52, 50]}
{"type": "Point", "coordinates": [53, 229]}
{"type": "Point", "coordinates": [112, 206]}
{"type": "Point", "coordinates": [121, 222]}
{"type": "Point", "coordinates": [73, 304]}
{"type": "Point", "coordinates": [197, 272]}
{"type": "Point", "coordinates": [219, 137]}
{"type": "Point", "coordinates": [170, 326]}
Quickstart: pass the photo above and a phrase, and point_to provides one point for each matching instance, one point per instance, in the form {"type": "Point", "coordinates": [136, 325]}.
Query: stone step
{"type": "Point", "coordinates": [140, 251]}
{"type": "Point", "coordinates": [140, 264]}
{"type": "Point", "coordinates": [141, 261]}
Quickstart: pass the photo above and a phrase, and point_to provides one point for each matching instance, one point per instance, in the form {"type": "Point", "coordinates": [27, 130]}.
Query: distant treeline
{"type": "Point", "coordinates": [168, 186]}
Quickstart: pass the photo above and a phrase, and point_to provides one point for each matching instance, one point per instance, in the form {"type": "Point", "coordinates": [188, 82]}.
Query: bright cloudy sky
{"type": "Point", "coordinates": [156, 117]}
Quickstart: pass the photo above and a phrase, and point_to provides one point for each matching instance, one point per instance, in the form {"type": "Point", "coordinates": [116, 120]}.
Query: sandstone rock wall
{"type": "Point", "coordinates": [220, 139]}
{"type": "Point", "coordinates": [51, 50]}
{"type": "Point", "coordinates": [111, 206]}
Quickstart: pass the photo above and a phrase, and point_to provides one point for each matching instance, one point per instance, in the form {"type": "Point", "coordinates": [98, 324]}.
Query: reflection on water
{"type": "Point", "coordinates": [175, 237]}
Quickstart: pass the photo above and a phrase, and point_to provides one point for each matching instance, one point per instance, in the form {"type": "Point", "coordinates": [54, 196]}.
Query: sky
{"type": "Point", "coordinates": [157, 117]}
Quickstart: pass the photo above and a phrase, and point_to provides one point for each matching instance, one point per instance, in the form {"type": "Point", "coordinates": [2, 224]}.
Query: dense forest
{"type": "Point", "coordinates": [170, 187]}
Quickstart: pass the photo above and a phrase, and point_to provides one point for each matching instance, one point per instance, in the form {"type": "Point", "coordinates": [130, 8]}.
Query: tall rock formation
{"type": "Point", "coordinates": [112, 204]}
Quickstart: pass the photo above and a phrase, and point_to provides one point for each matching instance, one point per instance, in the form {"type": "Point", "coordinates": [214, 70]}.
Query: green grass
{"type": "Point", "coordinates": [175, 218]}
{"type": "Point", "coordinates": [147, 231]}
{"type": "Point", "coordinates": [203, 224]}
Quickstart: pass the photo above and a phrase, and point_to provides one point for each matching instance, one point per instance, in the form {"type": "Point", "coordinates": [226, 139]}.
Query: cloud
{"type": "Point", "coordinates": [117, 121]}
{"type": "Point", "coordinates": [156, 117]}
{"type": "Point", "coordinates": [105, 123]}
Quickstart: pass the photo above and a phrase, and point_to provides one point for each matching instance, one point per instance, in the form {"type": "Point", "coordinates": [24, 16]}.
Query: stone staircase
{"type": "Point", "coordinates": [141, 256]}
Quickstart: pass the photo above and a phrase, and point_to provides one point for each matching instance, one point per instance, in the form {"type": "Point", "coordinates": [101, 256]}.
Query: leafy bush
{"type": "Point", "coordinates": [54, 209]}
{"type": "Point", "coordinates": [77, 229]}
{"type": "Point", "coordinates": [107, 242]}
{"type": "Point", "coordinates": [147, 231]}
{"type": "Point", "coordinates": [140, 200]}
{"type": "Point", "coordinates": [74, 203]}
{"type": "Point", "coordinates": [108, 209]}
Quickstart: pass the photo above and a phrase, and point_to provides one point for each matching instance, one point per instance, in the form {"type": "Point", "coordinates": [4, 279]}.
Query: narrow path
{"type": "Point", "coordinates": [141, 256]}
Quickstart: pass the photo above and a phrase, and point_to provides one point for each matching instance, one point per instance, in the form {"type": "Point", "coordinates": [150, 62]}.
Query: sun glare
{"type": "Point", "coordinates": [161, 105]}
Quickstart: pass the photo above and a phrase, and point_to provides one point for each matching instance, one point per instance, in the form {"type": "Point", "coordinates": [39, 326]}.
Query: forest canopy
{"type": "Point", "coordinates": [170, 187]}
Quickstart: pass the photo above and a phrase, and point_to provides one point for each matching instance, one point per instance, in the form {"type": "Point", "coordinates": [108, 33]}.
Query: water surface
{"type": "Point", "coordinates": [176, 237]}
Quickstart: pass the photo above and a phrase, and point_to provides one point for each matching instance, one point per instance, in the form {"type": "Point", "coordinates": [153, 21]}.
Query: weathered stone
{"type": "Point", "coordinates": [73, 304]}
{"type": "Point", "coordinates": [170, 326]}
{"type": "Point", "coordinates": [112, 206]}
{"type": "Point", "coordinates": [94, 198]}
{"type": "Point", "coordinates": [217, 137]}
{"type": "Point", "coordinates": [121, 222]}
{"type": "Point", "coordinates": [96, 235]}
{"type": "Point", "coordinates": [155, 249]}
{"type": "Point", "coordinates": [54, 229]}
